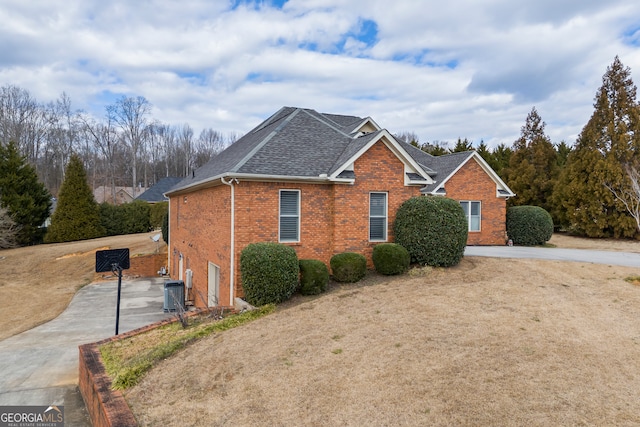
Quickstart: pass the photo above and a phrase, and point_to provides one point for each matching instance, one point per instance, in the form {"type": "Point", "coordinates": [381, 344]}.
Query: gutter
{"type": "Point", "coordinates": [255, 177]}
{"type": "Point", "coordinates": [231, 183]}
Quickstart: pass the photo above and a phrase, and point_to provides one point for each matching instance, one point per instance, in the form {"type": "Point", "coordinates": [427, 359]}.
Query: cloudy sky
{"type": "Point", "coordinates": [440, 69]}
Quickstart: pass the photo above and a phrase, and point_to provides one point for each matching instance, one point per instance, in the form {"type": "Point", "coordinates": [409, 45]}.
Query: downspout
{"type": "Point", "coordinates": [233, 240]}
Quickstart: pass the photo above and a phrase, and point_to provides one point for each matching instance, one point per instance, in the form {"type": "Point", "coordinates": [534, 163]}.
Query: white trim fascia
{"type": "Point", "coordinates": [215, 180]}
{"type": "Point", "coordinates": [364, 122]}
{"type": "Point", "coordinates": [393, 145]}
{"type": "Point", "coordinates": [501, 185]}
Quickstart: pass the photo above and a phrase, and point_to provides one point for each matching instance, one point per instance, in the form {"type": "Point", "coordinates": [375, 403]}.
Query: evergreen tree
{"type": "Point", "coordinates": [533, 168]}
{"type": "Point", "coordinates": [484, 152]}
{"type": "Point", "coordinates": [435, 148]}
{"type": "Point", "coordinates": [26, 199]}
{"type": "Point", "coordinates": [77, 216]}
{"type": "Point", "coordinates": [562, 152]}
{"type": "Point", "coordinates": [608, 142]}
{"type": "Point", "coordinates": [500, 157]}
{"type": "Point", "coordinates": [462, 145]}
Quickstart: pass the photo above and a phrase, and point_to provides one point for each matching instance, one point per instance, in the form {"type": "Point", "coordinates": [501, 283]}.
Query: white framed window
{"type": "Point", "coordinates": [289, 227]}
{"type": "Point", "coordinates": [472, 212]}
{"type": "Point", "coordinates": [378, 217]}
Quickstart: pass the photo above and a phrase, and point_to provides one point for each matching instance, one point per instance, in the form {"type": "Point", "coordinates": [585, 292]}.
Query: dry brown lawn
{"type": "Point", "coordinates": [489, 342]}
{"type": "Point", "coordinates": [38, 282]}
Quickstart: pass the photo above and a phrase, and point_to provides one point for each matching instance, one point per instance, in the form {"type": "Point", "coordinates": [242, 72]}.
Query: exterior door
{"type": "Point", "coordinates": [213, 292]}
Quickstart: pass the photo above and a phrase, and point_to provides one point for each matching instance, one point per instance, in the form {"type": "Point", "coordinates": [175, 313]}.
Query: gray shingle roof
{"type": "Point", "coordinates": [303, 143]}
{"type": "Point", "coordinates": [156, 192]}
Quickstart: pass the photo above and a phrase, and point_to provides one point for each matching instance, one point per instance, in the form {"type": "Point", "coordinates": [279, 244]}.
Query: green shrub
{"type": "Point", "coordinates": [165, 228]}
{"type": "Point", "coordinates": [529, 225]}
{"type": "Point", "coordinates": [269, 271]}
{"type": "Point", "coordinates": [137, 217]}
{"type": "Point", "coordinates": [433, 229]}
{"type": "Point", "coordinates": [128, 218]}
{"type": "Point", "coordinates": [348, 267]}
{"type": "Point", "coordinates": [390, 259]}
{"type": "Point", "coordinates": [157, 213]}
{"type": "Point", "coordinates": [111, 218]}
{"type": "Point", "coordinates": [314, 276]}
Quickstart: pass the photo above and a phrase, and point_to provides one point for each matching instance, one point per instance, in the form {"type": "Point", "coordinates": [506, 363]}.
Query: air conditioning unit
{"type": "Point", "coordinates": [188, 278]}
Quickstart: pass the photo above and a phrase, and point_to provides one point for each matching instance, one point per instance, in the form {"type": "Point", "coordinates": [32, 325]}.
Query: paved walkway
{"type": "Point", "coordinates": [627, 259]}
{"type": "Point", "coordinates": [40, 366]}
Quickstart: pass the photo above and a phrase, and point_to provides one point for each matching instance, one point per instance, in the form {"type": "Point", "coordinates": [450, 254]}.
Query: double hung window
{"type": "Point", "coordinates": [472, 212]}
{"type": "Point", "coordinates": [289, 216]}
{"type": "Point", "coordinates": [378, 217]}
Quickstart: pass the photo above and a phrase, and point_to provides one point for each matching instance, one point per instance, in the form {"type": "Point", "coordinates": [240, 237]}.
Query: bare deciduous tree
{"type": "Point", "coordinates": [131, 114]}
{"type": "Point", "coordinates": [8, 230]}
{"type": "Point", "coordinates": [629, 194]}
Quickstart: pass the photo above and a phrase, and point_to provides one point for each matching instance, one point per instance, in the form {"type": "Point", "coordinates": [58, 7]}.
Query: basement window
{"type": "Point", "coordinates": [289, 216]}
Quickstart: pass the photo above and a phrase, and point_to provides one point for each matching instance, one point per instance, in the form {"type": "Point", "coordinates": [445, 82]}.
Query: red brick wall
{"type": "Point", "coordinates": [106, 407]}
{"type": "Point", "coordinates": [377, 170]}
{"type": "Point", "coordinates": [334, 218]}
{"type": "Point", "coordinates": [200, 227]}
{"type": "Point", "coordinates": [147, 265]}
{"type": "Point", "coordinates": [473, 184]}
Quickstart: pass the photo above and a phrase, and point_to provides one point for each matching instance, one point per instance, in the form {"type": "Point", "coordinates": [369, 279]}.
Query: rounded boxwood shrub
{"type": "Point", "coordinates": [269, 273]}
{"type": "Point", "coordinates": [314, 276]}
{"type": "Point", "coordinates": [529, 225]}
{"type": "Point", "coordinates": [390, 259]}
{"type": "Point", "coordinates": [348, 267]}
{"type": "Point", "coordinates": [433, 229]}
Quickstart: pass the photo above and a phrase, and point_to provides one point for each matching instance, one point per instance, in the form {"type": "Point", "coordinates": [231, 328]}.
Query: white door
{"type": "Point", "coordinates": [213, 285]}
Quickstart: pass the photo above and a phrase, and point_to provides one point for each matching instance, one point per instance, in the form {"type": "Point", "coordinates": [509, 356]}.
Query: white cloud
{"type": "Point", "coordinates": [443, 70]}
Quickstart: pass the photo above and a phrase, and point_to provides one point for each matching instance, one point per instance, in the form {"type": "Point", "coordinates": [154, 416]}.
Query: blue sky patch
{"type": "Point", "coordinates": [196, 78]}
{"type": "Point", "coordinates": [258, 4]}
{"type": "Point", "coordinates": [632, 36]}
{"type": "Point", "coordinates": [368, 32]}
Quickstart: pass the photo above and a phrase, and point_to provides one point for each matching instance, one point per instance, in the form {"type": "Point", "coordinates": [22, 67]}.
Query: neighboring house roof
{"type": "Point", "coordinates": [123, 194]}
{"type": "Point", "coordinates": [156, 192]}
{"type": "Point", "coordinates": [302, 144]}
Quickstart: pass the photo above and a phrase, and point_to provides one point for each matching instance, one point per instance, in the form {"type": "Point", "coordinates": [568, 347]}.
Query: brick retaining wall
{"type": "Point", "coordinates": [107, 407]}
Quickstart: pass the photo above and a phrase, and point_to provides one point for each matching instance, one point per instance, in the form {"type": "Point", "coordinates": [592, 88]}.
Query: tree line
{"type": "Point", "coordinates": [591, 188]}
{"type": "Point", "coordinates": [124, 147]}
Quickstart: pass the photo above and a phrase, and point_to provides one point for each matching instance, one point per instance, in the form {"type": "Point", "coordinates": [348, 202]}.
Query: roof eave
{"type": "Point", "coordinates": [213, 181]}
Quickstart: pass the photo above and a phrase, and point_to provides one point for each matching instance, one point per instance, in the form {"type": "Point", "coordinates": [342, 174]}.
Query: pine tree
{"type": "Point", "coordinates": [484, 152]}
{"type": "Point", "coordinates": [500, 157]}
{"type": "Point", "coordinates": [77, 215]}
{"type": "Point", "coordinates": [462, 145]}
{"type": "Point", "coordinates": [26, 199]}
{"type": "Point", "coordinates": [533, 168]}
{"type": "Point", "coordinates": [608, 141]}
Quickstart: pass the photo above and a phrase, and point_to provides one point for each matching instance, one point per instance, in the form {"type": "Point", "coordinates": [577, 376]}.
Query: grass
{"type": "Point", "coordinates": [126, 361]}
{"type": "Point", "coordinates": [634, 280]}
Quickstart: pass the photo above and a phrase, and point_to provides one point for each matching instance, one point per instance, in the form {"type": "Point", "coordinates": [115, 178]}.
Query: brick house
{"type": "Point", "coordinates": [322, 183]}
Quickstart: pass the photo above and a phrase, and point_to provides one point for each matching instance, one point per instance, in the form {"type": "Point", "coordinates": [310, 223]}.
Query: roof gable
{"type": "Point", "coordinates": [361, 144]}
{"type": "Point", "coordinates": [302, 144]}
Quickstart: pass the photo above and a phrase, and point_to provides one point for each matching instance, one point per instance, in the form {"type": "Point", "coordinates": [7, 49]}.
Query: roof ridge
{"type": "Point", "coordinates": [262, 143]}
{"type": "Point", "coordinates": [333, 125]}
{"type": "Point", "coordinates": [272, 119]}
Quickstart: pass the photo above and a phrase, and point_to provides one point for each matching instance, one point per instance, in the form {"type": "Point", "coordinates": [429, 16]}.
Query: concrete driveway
{"type": "Point", "coordinates": [40, 366]}
{"type": "Point", "coordinates": [627, 259]}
